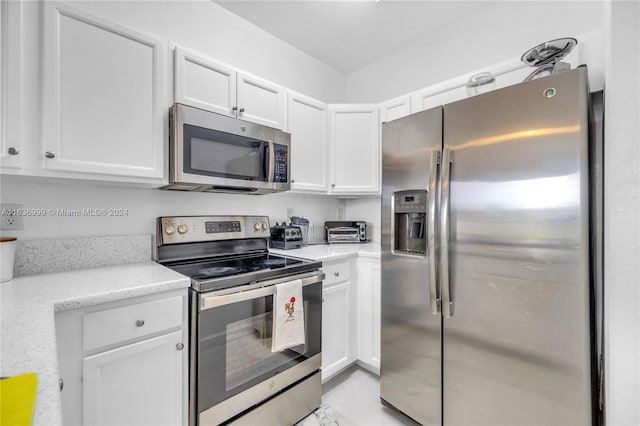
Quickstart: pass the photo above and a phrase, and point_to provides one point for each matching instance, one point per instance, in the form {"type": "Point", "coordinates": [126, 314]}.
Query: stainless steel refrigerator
{"type": "Point", "coordinates": [486, 258]}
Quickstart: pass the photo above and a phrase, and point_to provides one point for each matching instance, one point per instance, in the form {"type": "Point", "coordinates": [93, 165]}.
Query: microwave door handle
{"type": "Point", "coordinates": [271, 158]}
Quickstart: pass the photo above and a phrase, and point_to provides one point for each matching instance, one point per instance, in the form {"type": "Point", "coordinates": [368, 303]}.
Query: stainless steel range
{"type": "Point", "coordinates": [235, 378]}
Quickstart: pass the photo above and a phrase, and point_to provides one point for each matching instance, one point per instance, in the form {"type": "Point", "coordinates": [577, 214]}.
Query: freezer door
{"type": "Point", "coordinates": [517, 345]}
{"type": "Point", "coordinates": [410, 370]}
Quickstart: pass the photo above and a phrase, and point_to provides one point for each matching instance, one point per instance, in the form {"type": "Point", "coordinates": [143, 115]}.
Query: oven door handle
{"type": "Point", "coordinates": [266, 288]}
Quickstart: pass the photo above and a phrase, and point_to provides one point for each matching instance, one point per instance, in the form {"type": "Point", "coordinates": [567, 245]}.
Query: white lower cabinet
{"type": "Point", "coordinates": [351, 315]}
{"type": "Point", "coordinates": [369, 314]}
{"type": "Point", "coordinates": [338, 319]}
{"type": "Point", "coordinates": [125, 362]}
{"type": "Point", "coordinates": [113, 397]}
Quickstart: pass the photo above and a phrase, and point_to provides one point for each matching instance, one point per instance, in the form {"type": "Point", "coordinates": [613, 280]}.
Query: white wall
{"type": "Point", "coordinates": [205, 27]}
{"type": "Point", "coordinates": [143, 206]}
{"type": "Point", "coordinates": [502, 32]}
{"type": "Point", "coordinates": [492, 36]}
{"type": "Point", "coordinates": [622, 213]}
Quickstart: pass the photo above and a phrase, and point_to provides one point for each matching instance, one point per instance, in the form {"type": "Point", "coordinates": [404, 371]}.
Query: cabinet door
{"type": "Point", "coordinates": [261, 101]}
{"type": "Point", "coordinates": [138, 384]}
{"type": "Point", "coordinates": [104, 95]}
{"type": "Point", "coordinates": [307, 123]}
{"type": "Point", "coordinates": [336, 329]}
{"type": "Point", "coordinates": [395, 108]}
{"type": "Point", "coordinates": [369, 314]}
{"type": "Point", "coordinates": [204, 83]}
{"type": "Point", "coordinates": [10, 77]}
{"type": "Point", "coordinates": [354, 149]}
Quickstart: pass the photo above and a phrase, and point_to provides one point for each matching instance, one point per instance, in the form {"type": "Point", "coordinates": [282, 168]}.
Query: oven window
{"type": "Point", "coordinates": [214, 153]}
{"type": "Point", "coordinates": [248, 346]}
{"type": "Point", "coordinates": [234, 345]}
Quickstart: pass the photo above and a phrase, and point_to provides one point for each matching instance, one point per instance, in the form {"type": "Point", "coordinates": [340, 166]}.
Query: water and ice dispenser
{"type": "Point", "coordinates": [410, 222]}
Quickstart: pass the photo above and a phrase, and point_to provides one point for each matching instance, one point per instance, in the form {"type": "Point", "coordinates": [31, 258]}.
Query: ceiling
{"type": "Point", "coordinates": [349, 34]}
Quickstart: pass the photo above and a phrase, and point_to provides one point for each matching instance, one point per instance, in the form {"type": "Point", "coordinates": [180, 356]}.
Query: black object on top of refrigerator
{"type": "Point", "coordinates": [487, 259]}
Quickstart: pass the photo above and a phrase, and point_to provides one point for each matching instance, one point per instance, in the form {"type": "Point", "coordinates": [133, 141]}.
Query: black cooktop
{"type": "Point", "coordinates": [220, 273]}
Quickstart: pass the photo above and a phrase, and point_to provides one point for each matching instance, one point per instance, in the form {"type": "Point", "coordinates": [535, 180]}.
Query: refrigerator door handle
{"type": "Point", "coordinates": [447, 302]}
{"type": "Point", "coordinates": [434, 295]}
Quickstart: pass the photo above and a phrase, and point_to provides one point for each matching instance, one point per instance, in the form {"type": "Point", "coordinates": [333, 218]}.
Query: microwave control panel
{"type": "Point", "coordinates": [280, 168]}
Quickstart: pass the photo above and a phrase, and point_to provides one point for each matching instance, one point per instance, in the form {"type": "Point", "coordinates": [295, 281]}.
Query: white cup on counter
{"type": "Point", "coordinates": [7, 257]}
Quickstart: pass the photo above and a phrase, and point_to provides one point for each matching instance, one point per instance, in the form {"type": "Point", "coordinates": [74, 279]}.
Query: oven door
{"type": "Point", "coordinates": [235, 366]}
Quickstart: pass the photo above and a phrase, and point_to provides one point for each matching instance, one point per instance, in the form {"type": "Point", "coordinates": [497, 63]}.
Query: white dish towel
{"type": "Point", "coordinates": [288, 316]}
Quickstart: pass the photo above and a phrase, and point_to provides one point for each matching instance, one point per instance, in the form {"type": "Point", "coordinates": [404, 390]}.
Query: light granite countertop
{"type": "Point", "coordinates": [27, 327]}
{"type": "Point", "coordinates": [331, 252]}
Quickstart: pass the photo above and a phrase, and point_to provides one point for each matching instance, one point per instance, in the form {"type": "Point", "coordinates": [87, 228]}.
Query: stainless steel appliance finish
{"type": "Point", "coordinates": [304, 228]}
{"type": "Point", "coordinates": [210, 152]}
{"type": "Point", "coordinates": [346, 231]}
{"type": "Point", "coordinates": [300, 401]}
{"type": "Point", "coordinates": [507, 264]}
{"type": "Point", "coordinates": [233, 284]}
{"type": "Point", "coordinates": [286, 237]}
{"type": "Point", "coordinates": [410, 368]}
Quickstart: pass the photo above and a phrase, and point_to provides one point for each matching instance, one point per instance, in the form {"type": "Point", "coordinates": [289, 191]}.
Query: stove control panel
{"type": "Point", "coordinates": [187, 229]}
{"type": "Point", "coordinates": [227, 226]}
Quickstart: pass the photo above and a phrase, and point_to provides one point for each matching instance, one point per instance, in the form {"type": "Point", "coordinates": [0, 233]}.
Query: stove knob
{"type": "Point", "coordinates": [170, 230]}
{"type": "Point", "coordinates": [257, 227]}
{"type": "Point", "coordinates": [182, 229]}
{"type": "Point", "coordinates": [265, 226]}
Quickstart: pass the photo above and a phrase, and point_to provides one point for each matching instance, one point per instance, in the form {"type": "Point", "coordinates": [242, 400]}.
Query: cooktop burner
{"type": "Point", "coordinates": [216, 271]}
{"type": "Point", "coordinates": [216, 274]}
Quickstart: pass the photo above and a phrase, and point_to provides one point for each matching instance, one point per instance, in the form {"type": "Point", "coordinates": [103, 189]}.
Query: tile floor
{"type": "Point", "coordinates": [352, 398]}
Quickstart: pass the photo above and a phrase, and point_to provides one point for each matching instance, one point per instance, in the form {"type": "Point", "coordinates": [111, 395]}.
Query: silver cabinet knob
{"type": "Point", "coordinates": [49, 154]}
{"type": "Point", "coordinates": [241, 110]}
{"type": "Point", "coordinates": [333, 185]}
{"type": "Point", "coordinates": [13, 151]}
{"type": "Point", "coordinates": [336, 274]}
{"type": "Point", "coordinates": [179, 346]}
{"type": "Point", "coordinates": [293, 181]}
{"type": "Point", "coordinates": [139, 322]}
{"type": "Point", "coordinates": [235, 108]}
{"type": "Point", "coordinates": [61, 384]}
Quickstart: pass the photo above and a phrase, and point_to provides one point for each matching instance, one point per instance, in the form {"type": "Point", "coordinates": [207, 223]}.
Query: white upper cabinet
{"type": "Point", "coordinates": [104, 95]}
{"type": "Point", "coordinates": [307, 123]}
{"type": "Point", "coordinates": [10, 83]}
{"type": "Point", "coordinates": [395, 108]}
{"type": "Point", "coordinates": [261, 101]}
{"type": "Point", "coordinates": [205, 83]}
{"type": "Point", "coordinates": [354, 149]}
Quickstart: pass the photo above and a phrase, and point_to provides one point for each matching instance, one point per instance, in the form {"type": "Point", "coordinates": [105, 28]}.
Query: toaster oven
{"type": "Point", "coordinates": [346, 232]}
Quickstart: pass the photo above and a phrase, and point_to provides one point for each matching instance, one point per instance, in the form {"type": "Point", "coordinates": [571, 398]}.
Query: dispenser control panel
{"type": "Point", "coordinates": [410, 202]}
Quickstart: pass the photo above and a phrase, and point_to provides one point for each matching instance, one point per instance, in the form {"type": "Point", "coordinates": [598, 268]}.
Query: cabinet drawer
{"type": "Point", "coordinates": [130, 322]}
{"type": "Point", "coordinates": [336, 273]}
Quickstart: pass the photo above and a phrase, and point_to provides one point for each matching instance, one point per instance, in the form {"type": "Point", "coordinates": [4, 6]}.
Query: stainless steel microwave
{"type": "Point", "coordinates": [209, 152]}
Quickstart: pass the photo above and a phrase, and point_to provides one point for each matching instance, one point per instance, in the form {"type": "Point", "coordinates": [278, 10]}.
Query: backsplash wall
{"type": "Point", "coordinates": [140, 207]}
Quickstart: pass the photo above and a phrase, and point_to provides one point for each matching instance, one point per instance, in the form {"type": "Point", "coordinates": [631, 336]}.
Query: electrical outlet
{"type": "Point", "coordinates": [10, 219]}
